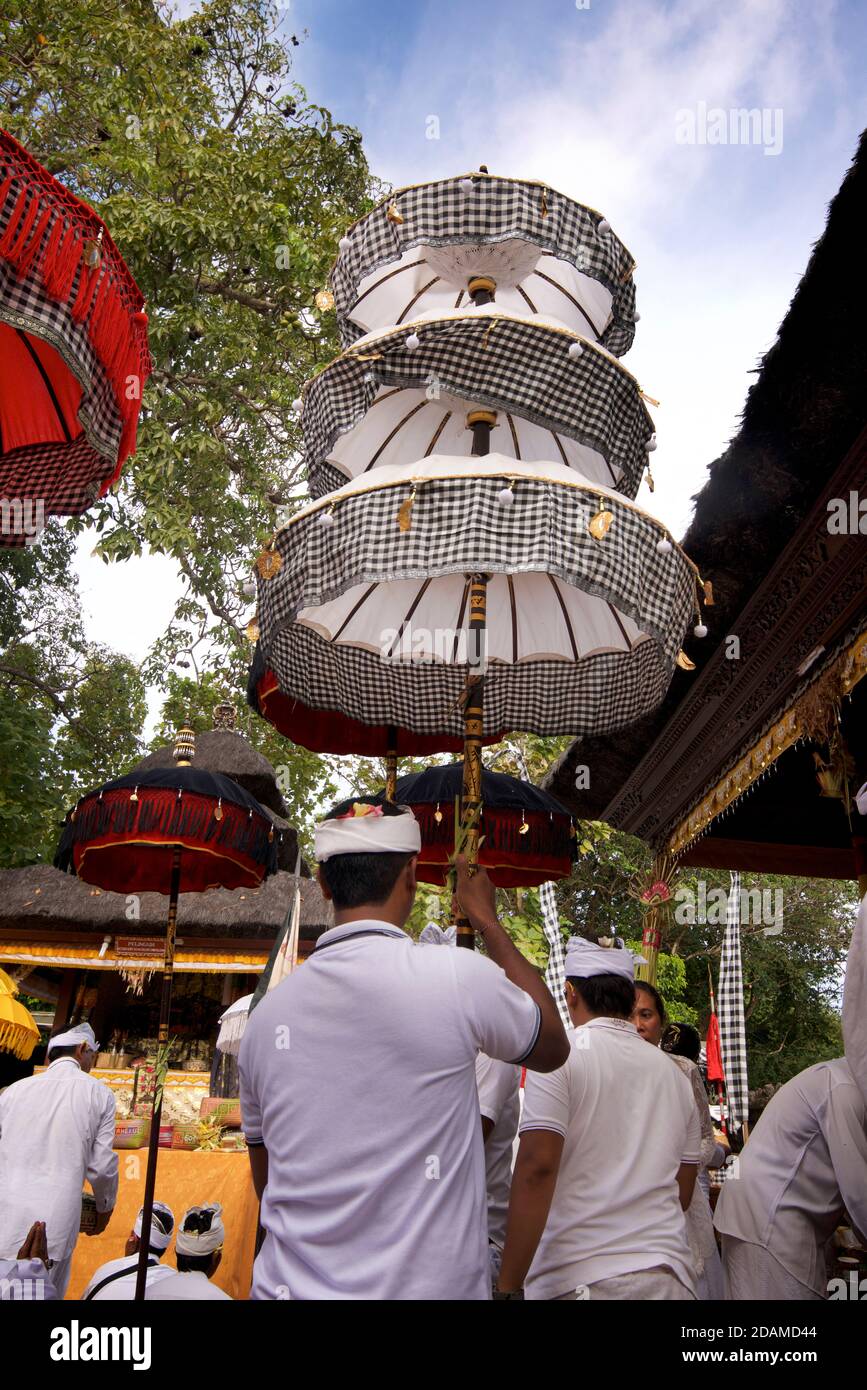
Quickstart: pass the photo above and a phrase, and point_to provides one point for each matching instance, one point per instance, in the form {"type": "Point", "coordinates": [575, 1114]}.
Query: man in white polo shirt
{"type": "Point", "coordinates": [608, 1155]}
{"type": "Point", "coordinates": [358, 1091]}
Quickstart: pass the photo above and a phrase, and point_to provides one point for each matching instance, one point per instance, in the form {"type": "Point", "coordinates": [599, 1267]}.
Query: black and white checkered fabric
{"type": "Point", "coordinates": [555, 970]}
{"type": "Point", "coordinates": [45, 480]}
{"type": "Point", "coordinates": [599, 694]}
{"type": "Point", "coordinates": [441, 214]}
{"type": "Point", "coordinates": [502, 363]}
{"type": "Point", "coordinates": [730, 1000]}
{"type": "Point", "coordinates": [25, 305]}
{"type": "Point", "coordinates": [458, 526]}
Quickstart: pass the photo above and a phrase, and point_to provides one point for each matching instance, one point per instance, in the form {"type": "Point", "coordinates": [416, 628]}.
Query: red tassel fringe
{"type": "Point", "coordinates": [106, 300]}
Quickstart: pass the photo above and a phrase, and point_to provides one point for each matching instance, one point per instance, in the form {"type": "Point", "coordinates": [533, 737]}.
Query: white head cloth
{"type": "Point", "coordinates": [861, 800]}
{"type": "Point", "coordinates": [585, 959]}
{"type": "Point", "coordinates": [201, 1242]}
{"type": "Point", "coordinates": [74, 1037]}
{"type": "Point", "coordinates": [371, 833]}
{"type": "Point", "coordinates": [435, 936]}
{"type": "Point", "coordinates": [159, 1237]}
{"type": "Point", "coordinates": [855, 1002]}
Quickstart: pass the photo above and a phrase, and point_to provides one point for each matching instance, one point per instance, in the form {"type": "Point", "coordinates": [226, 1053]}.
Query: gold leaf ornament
{"type": "Point", "coordinates": [404, 516]}
{"type": "Point", "coordinates": [324, 300]}
{"type": "Point", "coordinates": [269, 563]}
{"type": "Point", "coordinates": [684, 662]}
{"type": "Point", "coordinates": [599, 524]}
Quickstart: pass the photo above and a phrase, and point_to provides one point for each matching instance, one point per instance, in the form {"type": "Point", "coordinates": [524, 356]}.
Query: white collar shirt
{"type": "Point", "coordinates": [56, 1130]}
{"type": "Point", "coordinates": [628, 1120]}
{"type": "Point", "coordinates": [499, 1086]}
{"type": "Point", "coordinates": [805, 1160]}
{"type": "Point", "coordinates": [358, 1075]}
{"type": "Point", "coordinates": [124, 1287]}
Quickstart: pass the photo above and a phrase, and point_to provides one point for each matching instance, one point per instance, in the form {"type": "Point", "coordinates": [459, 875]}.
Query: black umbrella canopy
{"type": "Point", "coordinates": [122, 836]}
{"type": "Point", "coordinates": [528, 836]}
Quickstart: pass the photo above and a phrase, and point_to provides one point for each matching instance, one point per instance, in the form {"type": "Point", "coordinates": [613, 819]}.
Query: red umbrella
{"type": "Point", "coordinates": [168, 830]}
{"type": "Point", "coordinates": [73, 350]}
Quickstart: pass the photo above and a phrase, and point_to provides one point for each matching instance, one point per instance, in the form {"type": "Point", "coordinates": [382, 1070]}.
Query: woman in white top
{"type": "Point", "coordinates": [682, 1044]}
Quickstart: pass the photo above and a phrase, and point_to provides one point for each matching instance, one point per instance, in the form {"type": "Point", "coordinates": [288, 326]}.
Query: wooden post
{"type": "Point", "coordinates": [471, 800]}
{"type": "Point", "coordinates": [162, 1041]}
{"type": "Point", "coordinates": [391, 764]}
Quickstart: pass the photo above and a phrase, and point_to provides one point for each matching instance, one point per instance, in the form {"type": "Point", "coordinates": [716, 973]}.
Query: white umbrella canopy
{"type": "Point", "coordinates": [418, 249]}
{"type": "Point", "coordinates": [366, 607]}
{"type": "Point", "coordinates": [407, 392]}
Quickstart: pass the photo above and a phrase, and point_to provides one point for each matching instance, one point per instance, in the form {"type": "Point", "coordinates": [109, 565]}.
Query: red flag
{"type": "Point", "coordinates": [714, 1053]}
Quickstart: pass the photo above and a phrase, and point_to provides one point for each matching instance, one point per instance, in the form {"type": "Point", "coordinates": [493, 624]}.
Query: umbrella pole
{"type": "Point", "coordinates": [391, 764]}
{"type": "Point", "coordinates": [162, 1041]}
{"type": "Point", "coordinates": [471, 800]}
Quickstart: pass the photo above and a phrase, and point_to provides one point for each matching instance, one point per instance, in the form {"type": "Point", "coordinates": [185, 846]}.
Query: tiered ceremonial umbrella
{"type": "Point", "coordinates": [468, 594]}
{"type": "Point", "coordinates": [18, 1031]}
{"type": "Point", "coordinates": [544, 252]}
{"type": "Point", "coordinates": [168, 830]}
{"type": "Point", "coordinates": [528, 836]}
{"type": "Point", "coordinates": [73, 350]}
{"type": "Point", "coordinates": [472, 381]}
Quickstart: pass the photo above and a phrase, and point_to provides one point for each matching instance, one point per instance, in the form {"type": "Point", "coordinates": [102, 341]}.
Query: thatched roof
{"type": "Point", "coordinates": [42, 899]}
{"type": "Point", "coordinates": [223, 750]}
{"type": "Point", "coordinates": [802, 429]}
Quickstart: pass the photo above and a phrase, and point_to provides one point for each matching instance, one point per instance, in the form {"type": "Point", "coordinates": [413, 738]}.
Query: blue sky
{"type": "Point", "coordinates": [588, 100]}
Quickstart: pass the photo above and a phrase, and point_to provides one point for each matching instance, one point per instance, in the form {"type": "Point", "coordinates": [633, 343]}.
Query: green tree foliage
{"type": "Point", "coordinates": [71, 711]}
{"type": "Point", "coordinates": [226, 190]}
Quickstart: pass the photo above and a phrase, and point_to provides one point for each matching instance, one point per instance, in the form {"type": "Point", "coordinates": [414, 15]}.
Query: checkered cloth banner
{"type": "Point", "coordinates": [442, 214]}
{"type": "Point", "coordinates": [45, 480]}
{"type": "Point", "coordinates": [555, 970]}
{"type": "Point", "coordinates": [459, 527]}
{"type": "Point", "coordinates": [730, 1003]}
{"type": "Point", "coordinates": [501, 363]}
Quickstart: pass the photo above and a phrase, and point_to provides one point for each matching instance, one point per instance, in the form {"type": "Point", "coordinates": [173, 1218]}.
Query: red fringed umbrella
{"type": "Point", "coordinates": [73, 350]}
{"type": "Point", "coordinates": [330, 731]}
{"type": "Point", "coordinates": [528, 837]}
{"type": "Point", "coordinates": [168, 830]}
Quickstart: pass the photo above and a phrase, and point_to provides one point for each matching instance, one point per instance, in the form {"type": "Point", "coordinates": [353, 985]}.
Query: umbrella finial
{"type": "Point", "coordinates": [225, 715]}
{"type": "Point", "coordinates": [185, 747]}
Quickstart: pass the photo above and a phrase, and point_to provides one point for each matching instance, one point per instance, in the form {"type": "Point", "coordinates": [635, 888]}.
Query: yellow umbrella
{"type": "Point", "coordinates": [18, 1032]}
{"type": "Point", "coordinates": [7, 984]}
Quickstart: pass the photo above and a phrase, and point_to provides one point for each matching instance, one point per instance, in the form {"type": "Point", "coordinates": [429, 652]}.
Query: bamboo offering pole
{"type": "Point", "coordinates": [474, 703]}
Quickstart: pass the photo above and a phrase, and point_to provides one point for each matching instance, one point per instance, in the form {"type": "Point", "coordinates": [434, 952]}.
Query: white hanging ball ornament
{"type": "Point", "coordinates": [700, 630]}
{"type": "Point", "coordinates": [344, 243]}
{"type": "Point", "coordinates": [636, 316]}
{"type": "Point", "coordinates": [604, 225]}
{"type": "Point", "coordinates": [326, 519]}
{"type": "Point", "coordinates": [411, 342]}
{"type": "Point", "coordinates": [664, 546]}
{"type": "Point", "coordinates": [297, 405]}
{"type": "Point", "coordinates": [506, 497]}
{"type": "Point", "coordinates": [575, 349]}
{"type": "Point", "coordinates": [651, 444]}
{"type": "Point", "coordinates": [248, 589]}
{"type": "Point", "coordinates": [466, 186]}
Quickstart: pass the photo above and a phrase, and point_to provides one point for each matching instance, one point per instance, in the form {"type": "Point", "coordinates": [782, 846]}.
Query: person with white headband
{"type": "Point", "coordinates": [358, 1091]}
{"type": "Point", "coordinates": [198, 1252]}
{"type": "Point", "coordinates": [608, 1155]}
{"type": "Point", "coordinates": [116, 1279]}
{"type": "Point", "coordinates": [56, 1130]}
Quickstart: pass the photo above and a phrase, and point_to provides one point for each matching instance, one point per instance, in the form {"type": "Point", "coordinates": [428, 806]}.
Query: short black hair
{"type": "Point", "coordinates": [682, 1040]}
{"type": "Point", "coordinates": [194, 1264]}
{"type": "Point", "coordinates": [65, 1050]}
{"type": "Point", "coordinates": [354, 879]}
{"type": "Point", "coordinates": [658, 1001]}
{"type": "Point", "coordinates": [613, 996]}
